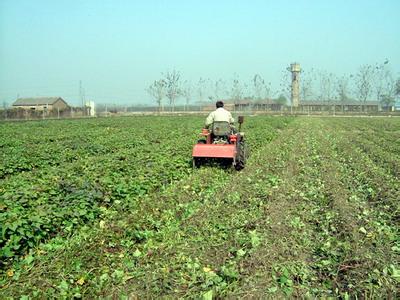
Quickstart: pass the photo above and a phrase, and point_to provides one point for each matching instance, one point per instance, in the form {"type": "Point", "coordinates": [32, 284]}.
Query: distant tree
{"type": "Point", "coordinates": [236, 90]}
{"type": "Point", "coordinates": [363, 82]}
{"type": "Point", "coordinates": [342, 88]}
{"type": "Point", "coordinates": [384, 84]}
{"type": "Point", "coordinates": [261, 90]}
{"type": "Point", "coordinates": [306, 85]}
{"type": "Point", "coordinates": [5, 106]}
{"type": "Point", "coordinates": [219, 89]}
{"type": "Point", "coordinates": [201, 89]}
{"type": "Point", "coordinates": [172, 87]}
{"type": "Point", "coordinates": [187, 93]}
{"type": "Point", "coordinates": [397, 87]}
{"type": "Point", "coordinates": [282, 100]}
{"type": "Point", "coordinates": [325, 82]}
{"type": "Point", "coordinates": [388, 96]}
{"type": "Point", "coordinates": [258, 84]}
{"type": "Point", "coordinates": [157, 91]}
{"type": "Point", "coordinates": [286, 84]}
{"type": "Point", "coordinates": [246, 94]}
{"type": "Point", "coordinates": [209, 89]}
{"type": "Point", "coordinates": [381, 79]}
{"type": "Point", "coordinates": [267, 93]}
{"type": "Point", "coordinates": [387, 101]}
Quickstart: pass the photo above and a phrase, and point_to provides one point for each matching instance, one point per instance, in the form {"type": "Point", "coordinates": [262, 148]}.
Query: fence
{"type": "Point", "coordinates": [28, 114]}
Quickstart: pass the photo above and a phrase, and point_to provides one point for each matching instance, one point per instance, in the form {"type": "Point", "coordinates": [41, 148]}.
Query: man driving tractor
{"type": "Point", "coordinates": [219, 115]}
{"type": "Point", "coordinates": [220, 140]}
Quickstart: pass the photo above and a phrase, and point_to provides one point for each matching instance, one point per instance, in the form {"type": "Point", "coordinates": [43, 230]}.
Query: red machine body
{"type": "Point", "coordinates": [214, 150]}
{"type": "Point", "coordinates": [225, 148]}
{"type": "Point", "coordinates": [210, 149]}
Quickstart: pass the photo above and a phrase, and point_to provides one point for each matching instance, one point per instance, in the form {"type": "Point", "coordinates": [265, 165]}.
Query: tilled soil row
{"type": "Point", "coordinates": [348, 248]}
{"type": "Point", "coordinates": [220, 242]}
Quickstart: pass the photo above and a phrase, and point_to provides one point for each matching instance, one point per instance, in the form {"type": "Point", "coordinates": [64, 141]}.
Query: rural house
{"type": "Point", "coordinates": [42, 103]}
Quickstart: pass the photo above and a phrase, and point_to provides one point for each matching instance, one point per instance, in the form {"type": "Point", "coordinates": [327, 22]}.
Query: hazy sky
{"type": "Point", "coordinates": [117, 48]}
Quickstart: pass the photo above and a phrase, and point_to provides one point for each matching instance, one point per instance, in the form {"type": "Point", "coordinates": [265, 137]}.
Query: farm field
{"type": "Point", "coordinates": [112, 208]}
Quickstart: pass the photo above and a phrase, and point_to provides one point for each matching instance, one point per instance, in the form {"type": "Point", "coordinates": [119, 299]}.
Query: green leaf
{"type": "Point", "coordinates": [137, 253]}
{"type": "Point", "coordinates": [208, 295]}
{"type": "Point", "coordinates": [241, 253]}
{"type": "Point", "coordinates": [255, 239]}
{"type": "Point", "coordinates": [395, 272]}
{"type": "Point", "coordinates": [63, 285]}
{"type": "Point", "coordinates": [29, 259]}
{"type": "Point", "coordinates": [272, 289]}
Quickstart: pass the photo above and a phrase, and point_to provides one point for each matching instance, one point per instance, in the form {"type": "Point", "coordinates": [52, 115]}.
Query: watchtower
{"type": "Point", "coordinates": [295, 95]}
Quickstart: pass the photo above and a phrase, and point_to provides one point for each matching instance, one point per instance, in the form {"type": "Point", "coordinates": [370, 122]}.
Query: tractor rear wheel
{"type": "Point", "coordinates": [197, 162]}
{"type": "Point", "coordinates": [242, 156]}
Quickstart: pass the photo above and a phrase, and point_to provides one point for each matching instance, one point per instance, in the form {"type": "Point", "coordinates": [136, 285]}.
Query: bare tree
{"type": "Point", "coordinates": [325, 86]}
{"type": "Point", "coordinates": [388, 93]}
{"type": "Point", "coordinates": [342, 89]}
{"type": "Point", "coordinates": [237, 89]}
{"type": "Point", "coordinates": [285, 85]}
{"type": "Point", "coordinates": [363, 82]}
{"type": "Point", "coordinates": [380, 78]}
{"type": "Point", "coordinates": [209, 89]}
{"type": "Point", "coordinates": [157, 91]}
{"type": "Point", "coordinates": [306, 85]}
{"type": "Point", "coordinates": [397, 88]}
{"type": "Point", "coordinates": [187, 93]}
{"type": "Point", "coordinates": [5, 106]}
{"type": "Point", "coordinates": [201, 89]}
{"type": "Point", "coordinates": [219, 89]}
{"type": "Point", "coordinates": [385, 84]}
{"type": "Point", "coordinates": [387, 101]}
{"type": "Point", "coordinates": [258, 87]}
{"type": "Point", "coordinates": [173, 90]}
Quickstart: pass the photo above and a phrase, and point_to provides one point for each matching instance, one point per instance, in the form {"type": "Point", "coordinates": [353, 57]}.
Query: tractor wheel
{"type": "Point", "coordinates": [239, 165]}
{"type": "Point", "coordinates": [197, 162]}
{"type": "Point", "coordinates": [242, 156]}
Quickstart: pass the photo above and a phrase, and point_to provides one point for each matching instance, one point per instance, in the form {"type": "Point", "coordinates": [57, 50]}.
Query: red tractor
{"type": "Point", "coordinates": [221, 143]}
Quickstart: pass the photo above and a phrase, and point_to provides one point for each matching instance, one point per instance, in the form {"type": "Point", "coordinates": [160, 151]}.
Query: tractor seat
{"type": "Point", "coordinates": [221, 129]}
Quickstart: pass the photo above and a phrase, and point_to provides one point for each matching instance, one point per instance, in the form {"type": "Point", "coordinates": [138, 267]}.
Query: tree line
{"type": "Point", "coordinates": [171, 87]}
{"type": "Point", "coordinates": [370, 82]}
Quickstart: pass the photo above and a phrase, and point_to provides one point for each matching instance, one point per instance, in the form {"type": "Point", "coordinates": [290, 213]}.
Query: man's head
{"type": "Point", "coordinates": [219, 104]}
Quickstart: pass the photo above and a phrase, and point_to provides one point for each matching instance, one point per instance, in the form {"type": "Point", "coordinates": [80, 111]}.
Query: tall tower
{"type": "Point", "coordinates": [295, 96]}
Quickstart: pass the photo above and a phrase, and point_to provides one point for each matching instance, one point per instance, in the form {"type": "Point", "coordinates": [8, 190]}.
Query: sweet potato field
{"type": "Point", "coordinates": [113, 208]}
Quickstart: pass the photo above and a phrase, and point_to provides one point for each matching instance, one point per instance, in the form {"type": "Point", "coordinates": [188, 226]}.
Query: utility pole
{"type": "Point", "coordinates": [82, 96]}
{"type": "Point", "coordinates": [80, 91]}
